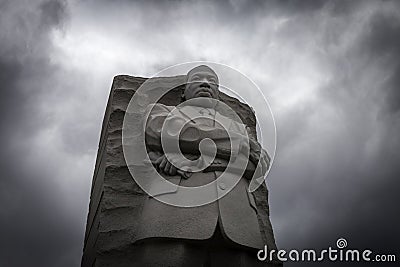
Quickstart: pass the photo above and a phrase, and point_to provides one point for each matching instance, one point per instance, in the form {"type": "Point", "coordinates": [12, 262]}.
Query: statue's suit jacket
{"type": "Point", "coordinates": [236, 212]}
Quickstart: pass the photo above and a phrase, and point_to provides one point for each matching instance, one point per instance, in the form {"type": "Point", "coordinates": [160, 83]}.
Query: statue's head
{"type": "Point", "coordinates": [201, 81]}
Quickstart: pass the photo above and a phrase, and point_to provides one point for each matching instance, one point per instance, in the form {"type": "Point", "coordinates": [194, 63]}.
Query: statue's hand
{"type": "Point", "coordinates": [162, 164]}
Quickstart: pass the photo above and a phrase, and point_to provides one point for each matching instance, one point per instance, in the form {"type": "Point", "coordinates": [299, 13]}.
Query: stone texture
{"type": "Point", "coordinates": [116, 201]}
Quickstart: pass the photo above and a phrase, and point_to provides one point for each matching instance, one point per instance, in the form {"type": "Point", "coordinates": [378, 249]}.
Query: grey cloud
{"type": "Point", "coordinates": [53, 13]}
{"type": "Point", "coordinates": [34, 230]}
{"type": "Point", "coordinates": [24, 52]}
{"type": "Point", "coordinates": [338, 155]}
{"type": "Point", "coordinates": [383, 42]}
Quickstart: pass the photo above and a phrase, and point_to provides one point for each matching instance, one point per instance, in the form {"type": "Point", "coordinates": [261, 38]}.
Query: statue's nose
{"type": "Point", "coordinates": [205, 84]}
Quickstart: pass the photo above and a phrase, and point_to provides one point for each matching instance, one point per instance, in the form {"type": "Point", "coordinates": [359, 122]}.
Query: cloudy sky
{"type": "Point", "coordinates": [330, 70]}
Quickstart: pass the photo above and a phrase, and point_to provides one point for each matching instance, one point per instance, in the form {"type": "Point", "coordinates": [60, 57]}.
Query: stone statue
{"type": "Point", "coordinates": [225, 232]}
{"type": "Point", "coordinates": [127, 226]}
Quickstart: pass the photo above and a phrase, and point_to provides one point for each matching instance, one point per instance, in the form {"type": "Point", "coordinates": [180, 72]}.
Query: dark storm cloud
{"type": "Point", "coordinates": [52, 13]}
{"type": "Point", "coordinates": [34, 229]}
{"type": "Point", "coordinates": [24, 51]}
{"type": "Point", "coordinates": [341, 151]}
{"type": "Point", "coordinates": [383, 42]}
{"type": "Point", "coordinates": [375, 162]}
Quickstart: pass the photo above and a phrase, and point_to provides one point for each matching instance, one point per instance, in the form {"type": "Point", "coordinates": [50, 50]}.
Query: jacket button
{"type": "Point", "coordinates": [222, 186]}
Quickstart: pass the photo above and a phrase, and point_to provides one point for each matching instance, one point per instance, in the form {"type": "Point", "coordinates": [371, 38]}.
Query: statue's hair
{"type": "Point", "coordinates": [200, 68]}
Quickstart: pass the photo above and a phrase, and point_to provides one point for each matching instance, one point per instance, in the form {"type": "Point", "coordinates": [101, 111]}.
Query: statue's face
{"type": "Point", "coordinates": [201, 83]}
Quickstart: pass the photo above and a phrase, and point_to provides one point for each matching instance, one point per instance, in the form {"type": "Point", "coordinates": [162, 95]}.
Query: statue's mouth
{"type": "Point", "coordinates": [204, 93]}
{"type": "Point", "coordinates": [204, 89]}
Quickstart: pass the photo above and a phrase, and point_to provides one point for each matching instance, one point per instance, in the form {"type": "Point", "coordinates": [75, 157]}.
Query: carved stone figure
{"type": "Point", "coordinates": [128, 227]}
{"type": "Point", "coordinates": [225, 231]}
